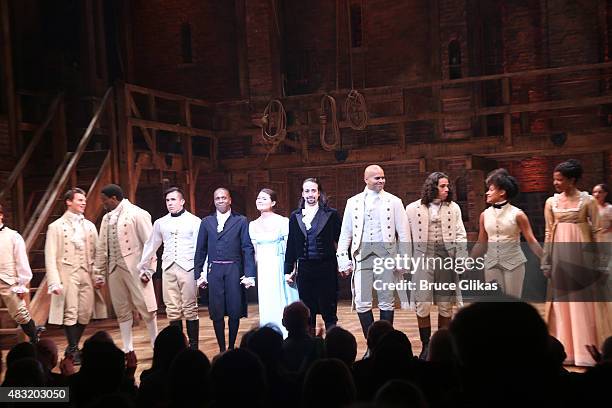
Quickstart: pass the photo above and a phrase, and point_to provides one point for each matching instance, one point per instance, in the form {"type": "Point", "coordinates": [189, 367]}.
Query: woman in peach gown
{"type": "Point", "coordinates": [575, 315]}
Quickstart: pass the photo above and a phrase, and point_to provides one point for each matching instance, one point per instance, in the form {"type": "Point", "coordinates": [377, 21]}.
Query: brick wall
{"type": "Point", "coordinates": [156, 31]}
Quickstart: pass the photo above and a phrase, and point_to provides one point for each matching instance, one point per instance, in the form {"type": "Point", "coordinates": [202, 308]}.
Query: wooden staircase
{"type": "Point", "coordinates": [87, 164]}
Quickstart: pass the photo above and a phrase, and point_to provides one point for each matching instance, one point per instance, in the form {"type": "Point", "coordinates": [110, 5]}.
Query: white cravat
{"type": "Point", "coordinates": [114, 215]}
{"type": "Point", "coordinates": [308, 214]}
{"type": "Point", "coordinates": [434, 208]}
{"type": "Point", "coordinates": [221, 219]}
{"type": "Point", "coordinates": [371, 199]}
{"type": "Point", "coordinates": [77, 220]}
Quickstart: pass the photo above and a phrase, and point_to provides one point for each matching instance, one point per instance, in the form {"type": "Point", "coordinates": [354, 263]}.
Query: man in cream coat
{"type": "Point", "coordinates": [123, 233]}
{"type": "Point", "coordinates": [69, 257]}
{"type": "Point", "coordinates": [374, 227]}
{"type": "Point", "coordinates": [178, 231]}
{"type": "Point", "coordinates": [15, 274]}
{"type": "Point", "coordinates": [438, 235]}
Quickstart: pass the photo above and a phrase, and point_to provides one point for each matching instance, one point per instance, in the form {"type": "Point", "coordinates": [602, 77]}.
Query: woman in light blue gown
{"type": "Point", "coordinates": [269, 236]}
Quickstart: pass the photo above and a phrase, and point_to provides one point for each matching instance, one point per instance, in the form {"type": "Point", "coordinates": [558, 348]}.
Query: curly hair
{"type": "Point", "coordinates": [570, 169]}
{"type": "Point", "coordinates": [429, 192]}
{"type": "Point", "coordinates": [501, 179]}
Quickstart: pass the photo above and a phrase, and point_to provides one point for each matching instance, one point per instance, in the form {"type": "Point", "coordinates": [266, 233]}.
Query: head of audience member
{"type": "Point", "coordinates": [374, 178]}
{"type": "Point", "coordinates": [246, 337]}
{"type": "Point", "coordinates": [103, 363]}
{"type": "Point", "coordinates": [436, 188]}
{"type": "Point", "coordinates": [601, 193]}
{"type": "Point", "coordinates": [75, 200]}
{"type": "Point", "coordinates": [46, 353]}
{"type": "Point", "coordinates": [494, 341]}
{"type": "Point", "coordinates": [19, 351]}
{"type": "Point", "coordinates": [111, 196]}
{"type": "Point", "coordinates": [253, 390]}
{"type": "Point", "coordinates": [189, 379]}
{"type": "Point", "coordinates": [328, 383]}
{"type": "Point", "coordinates": [175, 200]}
{"type": "Point", "coordinates": [266, 200]}
{"type": "Point", "coordinates": [341, 344]}
{"type": "Point", "coordinates": [295, 318]}
{"type": "Point", "coordinates": [24, 372]}
{"type": "Point", "coordinates": [101, 336]}
{"type": "Point", "coordinates": [606, 350]}
{"type": "Point", "coordinates": [501, 186]}
{"type": "Point", "coordinates": [566, 175]}
{"type": "Point", "coordinates": [312, 193]}
{"type": "Point", "coordinates": [267, 344]}
{"type": "Point", "coordinates": [376, 332]}
{"type": "Point", "coordinates": [441, 348]}
{"type": "Point", "coordinates": [556, 352]}
{"type": "Point", "coordinates": [394, 348]}
{"type": "Point", "coordinates": [400, 394]}
{"type": "Point", "coordinates": [168, 344]}
{"type": "Point", "coordinates": [223, 200]}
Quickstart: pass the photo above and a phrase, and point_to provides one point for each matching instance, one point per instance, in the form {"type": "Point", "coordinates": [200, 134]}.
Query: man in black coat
{"type": "Point", "coordinates": [314, 229]}
{"type": "Point", "coordinates": [225, 246]}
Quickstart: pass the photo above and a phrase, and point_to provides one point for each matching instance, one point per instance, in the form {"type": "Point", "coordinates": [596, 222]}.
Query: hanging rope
{"type": "Point", "coordinates": [274, 117]}
{"type": "Point", "coordinates": [356, 110]}
{"type": "Point", "coordinates": [335, 128]}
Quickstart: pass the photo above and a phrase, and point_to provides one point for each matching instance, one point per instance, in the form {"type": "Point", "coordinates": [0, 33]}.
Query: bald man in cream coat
{"type": "Point", "coordinates": [374, 226]}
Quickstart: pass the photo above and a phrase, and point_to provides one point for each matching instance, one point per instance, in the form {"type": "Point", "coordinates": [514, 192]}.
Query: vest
{"type": "Point", "coordinates": [115, 259]}
{"type": "Point", "coordinates": [8, 266]}
{"type": "Point", "coordinates": [504, 246]}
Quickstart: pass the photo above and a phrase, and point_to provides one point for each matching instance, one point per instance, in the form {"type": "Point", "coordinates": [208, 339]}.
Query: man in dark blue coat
{"type": "Point", "coordinates": [314, 229]}
{"type": "Point", "coordinates": [224, 260]}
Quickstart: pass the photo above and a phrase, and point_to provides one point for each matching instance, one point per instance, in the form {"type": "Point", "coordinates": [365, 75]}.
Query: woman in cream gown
{"type": "Point", "coordinates": [269, 236]}
{"type": "Point", "coordinates": [575, 316]}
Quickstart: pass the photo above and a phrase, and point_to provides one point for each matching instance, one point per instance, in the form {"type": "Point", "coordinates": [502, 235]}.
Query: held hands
{"type": "Point", "coordinates": [145, 276]}
{"type": "Point", "coordinates": [546, 270]}
{"type": "Point", "coordinates": [202, 282]}
{"type": "Point", "coordinates": [290, 278]}
{"type": "Point", "coordinates": [346, 273]}
{"type": "Point", "coordinates": [57, 291]}
{"type": "Point", "coordinates": [247, 282]}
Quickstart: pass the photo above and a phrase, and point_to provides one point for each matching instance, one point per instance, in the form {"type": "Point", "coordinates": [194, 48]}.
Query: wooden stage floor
{"type": "Point", "coordinates": [405, 320]}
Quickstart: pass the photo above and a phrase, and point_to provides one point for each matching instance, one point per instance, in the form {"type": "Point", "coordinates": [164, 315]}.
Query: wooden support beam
{"type": "Point", "coordinates": [149, 124]}
{"type": "Point", "coordinates": [168, 95]}
{"type": "Point", "coordinates": [188, 158]}
{"type": "Point", "coordinates": [125, 142]}
{"type": "Point", "coordinates": [507, 116]}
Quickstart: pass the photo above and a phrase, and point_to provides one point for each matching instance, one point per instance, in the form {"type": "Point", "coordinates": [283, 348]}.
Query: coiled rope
{"type": "Point", "coordinates": [356, 110]}
{"type": "Point", "coordinates": [328, 100]}
{"type": "Point", "coordinates": [274, 119]}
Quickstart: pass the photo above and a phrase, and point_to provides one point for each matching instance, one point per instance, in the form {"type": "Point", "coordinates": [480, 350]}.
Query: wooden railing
{"type": "Point", "coordinates": [40, 302]}
{"type": "Point", "coordinates": [17, 172]}
{"type": "Point", "coordinates": [148, 118]}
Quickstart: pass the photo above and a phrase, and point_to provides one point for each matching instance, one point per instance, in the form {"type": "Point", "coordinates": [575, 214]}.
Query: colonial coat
{"type": "Point", "coordinates": [134, 228]}
{"type": "Point", "coordinates": [60, 261]}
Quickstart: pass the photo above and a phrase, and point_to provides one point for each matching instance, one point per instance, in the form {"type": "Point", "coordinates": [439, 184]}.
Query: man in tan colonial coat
{"type": "Point", "coordinates": [69, 257]}
{"type": "Point", "coordinates": [123, 233]}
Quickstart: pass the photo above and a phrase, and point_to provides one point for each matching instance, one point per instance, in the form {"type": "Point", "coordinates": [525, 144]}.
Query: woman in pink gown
{"type": "Point", "coordinates": [571, 263]}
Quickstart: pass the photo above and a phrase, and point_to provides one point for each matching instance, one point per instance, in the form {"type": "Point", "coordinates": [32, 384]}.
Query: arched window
{"type": "Point", "coordinates": [186, 43]}
{"type": "Point", "coordinates": [454, 59]}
